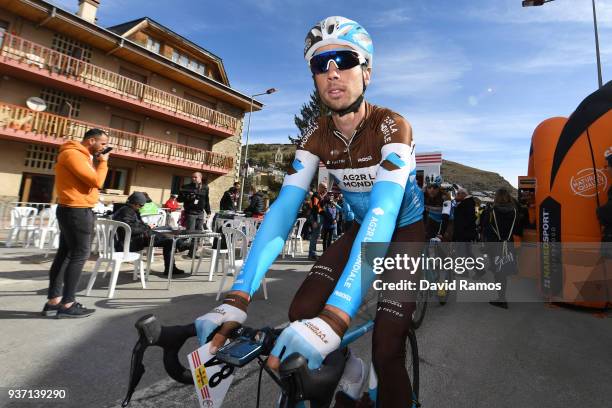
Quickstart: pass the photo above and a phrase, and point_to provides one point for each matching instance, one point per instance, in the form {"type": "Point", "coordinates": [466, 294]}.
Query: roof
{"type": "Point", "coordinates": [125, 29]}
{"type": "Point", "coordinates": [32, 10]}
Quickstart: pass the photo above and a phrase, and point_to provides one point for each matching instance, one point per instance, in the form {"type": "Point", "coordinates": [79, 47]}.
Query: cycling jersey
{"type": "Point", "coordinates": [376, 172]}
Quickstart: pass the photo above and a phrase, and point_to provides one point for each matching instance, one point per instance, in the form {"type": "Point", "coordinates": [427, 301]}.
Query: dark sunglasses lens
{"type": "Point", "coordinates": [342, 59]}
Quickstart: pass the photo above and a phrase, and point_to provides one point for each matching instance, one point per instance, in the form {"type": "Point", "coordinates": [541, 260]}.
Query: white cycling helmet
{"type": "Point", "coordinates": [342, 31]}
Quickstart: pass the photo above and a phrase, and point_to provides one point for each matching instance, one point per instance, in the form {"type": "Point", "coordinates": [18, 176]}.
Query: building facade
{"type": "Point", "coordinates": [166, 103]}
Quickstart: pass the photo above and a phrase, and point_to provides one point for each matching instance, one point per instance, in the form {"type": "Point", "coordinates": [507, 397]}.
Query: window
{"type": "Point", "coordinates": [153, 45]}
{"type": "Point", "coordinates": [188, 62]}
{"type": "Point", "coordinates": [178, 182]}
{"type": "Point", "coordinates": [4, 25]}
{"type": "Point", "coordinates": [61, 103]}
{"type": "Point", "coordinates": [74, 48]}
{"type": "Point", "coordinates": [116, 179]}
{"type": "Point", "coordinates": [125, 124]}
{"type": "Point", "coordinates": [133, 75]}
{"type": "Point", "coordinates": [204, 143]}
{"type": "Point", "coordinates": [40, 157]}
{"type": "Point", "coordinates": [200, 101]}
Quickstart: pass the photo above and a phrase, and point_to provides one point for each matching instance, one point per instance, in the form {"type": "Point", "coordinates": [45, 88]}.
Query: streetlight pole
{"type": "Point", "coordinates": [530, 3]}
{"type": "Point", "coordinates": [599, 78]}
{"type": "Point", "coordinates": [246, 147]}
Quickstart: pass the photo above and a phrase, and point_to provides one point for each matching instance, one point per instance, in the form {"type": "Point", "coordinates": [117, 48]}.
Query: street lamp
{"type": "Point", "coordinates": [529, 3]}
{"type": "Point", "coordinates": [246, 146]}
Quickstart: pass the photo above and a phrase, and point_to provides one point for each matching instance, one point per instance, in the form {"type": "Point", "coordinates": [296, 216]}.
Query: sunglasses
{"type": "Point", "coordinates": [344, 59]}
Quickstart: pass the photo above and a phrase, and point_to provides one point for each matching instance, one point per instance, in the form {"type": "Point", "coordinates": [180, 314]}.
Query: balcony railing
{"type": "Point", "coordinates": [57, 129]}
{"type": "Point", "coordinates": [29, 52]}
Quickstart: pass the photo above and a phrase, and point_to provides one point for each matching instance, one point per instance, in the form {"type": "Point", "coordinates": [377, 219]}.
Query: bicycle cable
{"type": "Point", "coordinates": [259, 383]}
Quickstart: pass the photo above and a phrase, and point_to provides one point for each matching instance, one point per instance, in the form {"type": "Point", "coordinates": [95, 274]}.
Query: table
{"type": "Point", "coordinates": [176, 235]}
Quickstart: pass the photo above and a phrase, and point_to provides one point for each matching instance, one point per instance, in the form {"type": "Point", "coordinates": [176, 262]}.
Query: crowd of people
{"type": "Point", "coordinates": [461, 219]}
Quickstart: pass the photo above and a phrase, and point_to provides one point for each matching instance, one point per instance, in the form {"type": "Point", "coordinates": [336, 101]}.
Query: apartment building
{"type": "Point", "coordinates": [166, 102]}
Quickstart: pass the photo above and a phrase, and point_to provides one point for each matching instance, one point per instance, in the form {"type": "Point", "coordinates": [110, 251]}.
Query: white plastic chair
{"type": "Point", "coordinates": [237, 243]}
{"type": "Point", "coordinates": [216, 255]}
{"type": "Point", "coordinates": [107, 231]}
{"type": "Point", "coordinates": [294, 237]}
{"type": "Point", "coordinates": [47, 226]}
{"type": "Point", "coordinates": [250, 228]}
{"type": "Point", "coordinates": [155, 220]}
{"type": "Point", "coordinates": [173, 219]}
{"type": "Point", "coordinates": [23, 219]}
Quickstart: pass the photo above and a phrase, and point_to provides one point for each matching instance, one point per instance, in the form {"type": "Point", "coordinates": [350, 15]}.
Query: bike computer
{"type": "Point", "coordinates": [240, 351]}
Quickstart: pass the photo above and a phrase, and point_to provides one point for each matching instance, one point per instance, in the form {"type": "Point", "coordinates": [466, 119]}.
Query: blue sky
{"type": "Point", "coordinates": [473, 77]}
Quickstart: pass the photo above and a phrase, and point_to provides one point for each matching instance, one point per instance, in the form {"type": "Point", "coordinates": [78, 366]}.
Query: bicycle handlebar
{"type": "Point", "coordinates": [297, 381]}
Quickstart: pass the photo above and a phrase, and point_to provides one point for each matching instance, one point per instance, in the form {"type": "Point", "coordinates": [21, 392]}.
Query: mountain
{"type": "Point", "coordinates": [469, 177]}
{"type": "Point", "coordinates": [472, 178]}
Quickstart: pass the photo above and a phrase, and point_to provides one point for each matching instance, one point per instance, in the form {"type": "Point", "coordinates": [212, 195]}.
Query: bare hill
{"type": "Point", "coordinates": [472, 178]}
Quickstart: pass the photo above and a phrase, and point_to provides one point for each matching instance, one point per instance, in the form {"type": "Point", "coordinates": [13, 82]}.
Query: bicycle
{"type": "Point", "coordinates": [296, 381]}
{"type": "Point", "coordinates": [432, 275]}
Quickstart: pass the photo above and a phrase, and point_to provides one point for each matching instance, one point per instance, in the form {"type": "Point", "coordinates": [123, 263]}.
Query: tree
{"type": "Point", "coordinates": [309, 113]}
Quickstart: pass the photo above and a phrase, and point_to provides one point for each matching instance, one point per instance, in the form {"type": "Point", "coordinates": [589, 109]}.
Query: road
{"type": "Point", "coordinates": [471, 354]}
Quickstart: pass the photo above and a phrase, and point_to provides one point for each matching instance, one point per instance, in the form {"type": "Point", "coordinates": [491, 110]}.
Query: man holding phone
{"type": "Point", "coordinates": [79, 174]}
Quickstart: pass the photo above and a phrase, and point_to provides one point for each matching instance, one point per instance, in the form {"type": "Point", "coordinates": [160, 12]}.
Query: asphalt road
{"type": "Point", "coordinates": [471, 354]}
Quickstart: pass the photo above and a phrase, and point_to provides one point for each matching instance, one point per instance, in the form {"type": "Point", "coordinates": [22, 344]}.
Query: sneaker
{"type": "Point", "coordinates": [313, 257]}
{"type": "Point", "coordinates": [352, 387]}
{"type": "Point", "coordinates": [75, 311]}
{"type": "Point", "coordinates": [50, 310]}
{"type": "Point", "coordinates": [175, 271]}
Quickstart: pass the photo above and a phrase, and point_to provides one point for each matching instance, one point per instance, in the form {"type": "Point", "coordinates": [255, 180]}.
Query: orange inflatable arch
{"type": "Point", "coordinates": [567, 160]}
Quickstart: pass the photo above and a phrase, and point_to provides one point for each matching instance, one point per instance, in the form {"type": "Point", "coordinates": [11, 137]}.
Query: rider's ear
{"type": "Point", "coordinates": [367, 74]}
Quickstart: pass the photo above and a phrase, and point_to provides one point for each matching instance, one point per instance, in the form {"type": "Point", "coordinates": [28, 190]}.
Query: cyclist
{"type": "Point", "coordinates": [369, 152]}
{"type": "Point", "coordinates": [438, 210]}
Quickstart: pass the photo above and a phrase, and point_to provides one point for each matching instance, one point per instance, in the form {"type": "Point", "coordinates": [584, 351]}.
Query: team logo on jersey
{"type": "Point", "coordinates": [388, 127]}
{"type": "Point", "coordinates": [295, 167]}
{"type": "Point", "coordinates": [309, 132]}
{"type": "Point", "coordinates": [364, 159]}
{"type": "Point", "coordinates": [392, 162]}
{"type": "Point", "coordinates": [378, 211]}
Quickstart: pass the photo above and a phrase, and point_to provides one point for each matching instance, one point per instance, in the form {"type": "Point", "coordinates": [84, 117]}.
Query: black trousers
{"type": "Point", "coordinates": [393, 316]}
{"type": "Point", "coordinates": [76, 228]}
{"type": "Point", "coordinates": [195, 221]}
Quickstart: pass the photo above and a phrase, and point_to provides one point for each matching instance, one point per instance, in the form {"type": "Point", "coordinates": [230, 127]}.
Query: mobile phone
{"type": "Point", "coordinates": [106, 150]}
{"type": "Point", "coordinates": [240, 351]}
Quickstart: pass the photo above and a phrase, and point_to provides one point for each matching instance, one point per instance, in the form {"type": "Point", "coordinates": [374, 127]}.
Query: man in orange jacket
{"type": "Point", "coordinates": [79, 174]}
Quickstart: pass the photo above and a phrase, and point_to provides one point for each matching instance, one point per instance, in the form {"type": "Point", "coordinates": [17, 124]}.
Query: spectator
{"type": "Point", "coordinates": [316, 219]}
{"type": "Point", "coordinates": [141, 232]}
{"type": "Point", "coordinates": [195, 198]}
{"type": "Point", "coordinates": [228, 201]}
{"type": "Point", "coordinates": [348, 216]}
{"type": "Point", "coordinates": [330, 223]}
{"type": "Point", "coordinates": [172, 204]}
{"type": "Point", "coordinates": [150, 208]}
{"type": "Point", "coordinates": [604, 213]}
{"type": "Point", "coordinates": [464, 226]}
{"type": "Point", "coordinates": [237, 195]}
{"type": "Point", "coordinates": [499, 224]}
{"type": "Point", "coordinates": [305, 211]}
{"type": "Point", "coordinates": [79, 174]}
{"type": "Point", "coordinates": [256, 206]}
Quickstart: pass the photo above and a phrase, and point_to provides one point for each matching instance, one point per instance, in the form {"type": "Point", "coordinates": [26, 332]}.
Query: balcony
{"type": "Point", "coordinates": [26, 125]}
{"type": "Point", "coordinates": [34, 62]}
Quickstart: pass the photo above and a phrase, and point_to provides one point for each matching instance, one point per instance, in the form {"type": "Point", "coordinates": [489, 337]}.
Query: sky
{"type": "Point", "coordinates": [473, 77]}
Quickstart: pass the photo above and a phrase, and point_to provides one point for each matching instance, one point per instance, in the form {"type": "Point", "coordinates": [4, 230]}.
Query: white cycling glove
{"type": "Point", "coordinates": [312, 338]}
{"type": "Point", "coordinates": [221, 314]}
